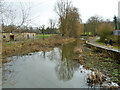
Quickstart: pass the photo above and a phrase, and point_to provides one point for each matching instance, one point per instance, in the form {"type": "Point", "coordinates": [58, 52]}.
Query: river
{"type": "Point", "coordinates": [51, 69]}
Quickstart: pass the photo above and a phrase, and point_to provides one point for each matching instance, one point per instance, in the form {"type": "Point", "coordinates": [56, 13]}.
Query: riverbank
{"type": "Point", "coordinates": [76, 52]}
{"type": "Point", "coordinates": [95, 58]}
{"type": "Point", "coordinates": [96, 40]}
{"type": "Point", "coordinates": [17, 48]}
{"type": "Point", "coordinates": [114, 46]}
{"type": "Point", "coordinates": [104, 63]}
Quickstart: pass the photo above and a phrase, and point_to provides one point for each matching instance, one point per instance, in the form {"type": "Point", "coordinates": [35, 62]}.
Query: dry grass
{"type": "Point", "coordinates": [78, 50]}
{"type": "Point", "coordinates": [96, 77]}
{"type": "Point", "coordinates": [25, 47]}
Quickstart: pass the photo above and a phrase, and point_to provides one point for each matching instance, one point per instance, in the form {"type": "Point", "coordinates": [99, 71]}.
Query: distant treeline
{"type": "Point", "coordinates": [17, 29]}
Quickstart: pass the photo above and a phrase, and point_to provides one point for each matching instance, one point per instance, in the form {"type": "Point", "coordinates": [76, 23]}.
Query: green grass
{"type": "Point", "coordinates": [8, 43]}
{"type": "Point", "coordinates": [98, 41]}
{"type": "Point", "coordinates": [40, 36]}
{"type": "Point", "coordinates": [116, 47]}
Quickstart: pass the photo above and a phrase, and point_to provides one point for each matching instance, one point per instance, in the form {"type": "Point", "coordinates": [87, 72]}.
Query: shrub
{"type": "Point", "coordinates": [104, 30]}
{"type": "Point", "coordinates": [115, 39]}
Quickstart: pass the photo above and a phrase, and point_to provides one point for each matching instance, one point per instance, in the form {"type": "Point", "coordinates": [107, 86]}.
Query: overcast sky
{"type": "Point", "coordinates": [43, 10]}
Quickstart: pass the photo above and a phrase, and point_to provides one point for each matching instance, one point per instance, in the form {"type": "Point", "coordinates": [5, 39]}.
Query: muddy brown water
{"type": "Point", "coordinates": [53, 69]}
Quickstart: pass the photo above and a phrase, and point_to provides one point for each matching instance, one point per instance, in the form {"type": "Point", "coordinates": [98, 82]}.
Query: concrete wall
{"type": "Point", "coordinates": [116, 32]}
{"type": "Point", "coordinates": [29, 35]}
{"type": "Point", "coordinates": [5, 36]}
{"type": "Point", "coordinates": [18, 36]}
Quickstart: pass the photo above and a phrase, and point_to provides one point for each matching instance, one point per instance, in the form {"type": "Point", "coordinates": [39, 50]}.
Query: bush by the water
{"type": "Point", "coordinates": [104, 31]}
{"type": "Point", "coordinates": [115, 39]}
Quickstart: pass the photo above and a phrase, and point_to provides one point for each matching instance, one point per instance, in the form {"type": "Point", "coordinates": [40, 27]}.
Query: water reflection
{"type": "Point", "coordinates": [44, 54]}
{"type": "Point", "coordinates": [66, 67]}
{"type": "Point", "coordinates": [53, 66]}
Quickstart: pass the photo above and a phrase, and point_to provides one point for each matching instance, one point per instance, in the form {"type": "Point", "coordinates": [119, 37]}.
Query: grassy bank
{"type": "Point", "coordinates": [40, 36]}
{"type": "Point", "coordinates": [15, 48]}
{"type": "Point", "coordinates": [114, 46]}
{"type": "Point", "coordinates": [102, 61]}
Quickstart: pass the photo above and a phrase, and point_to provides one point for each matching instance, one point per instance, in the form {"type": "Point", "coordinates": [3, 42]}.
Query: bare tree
{"type": "Point", "coordinates": [69, 18]}
{"type": "Point", "coordinates": [104, 30]}
{"type": "Point", "coordinates": [2, 9]}
{"type": "Point", "coordinates": [42, 29]}
{"type": "Point", "coordinates": [61, 8]}
{"type": "Point", "coordinates": [93, 23]}
{"type": "Point", "coordinates": [15, 15]}
{"type": "Point", "coordinates": [7, 13]}
{"type": "Point", "coordinates": [52, 25]}
{"type": "Point", "coordinates": [25, 13]}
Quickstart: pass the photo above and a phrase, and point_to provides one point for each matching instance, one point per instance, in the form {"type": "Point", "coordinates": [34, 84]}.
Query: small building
{"type": "Point", "coordinates": [18, 36]}
{"type": "Point", "coordinates": [116, 32]}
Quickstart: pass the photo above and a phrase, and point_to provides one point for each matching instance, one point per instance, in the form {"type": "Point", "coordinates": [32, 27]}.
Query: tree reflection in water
{"type": "Point", "coordinates": [64, 56]}
{"type": "Point", "coordinates": [67, 66]}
